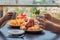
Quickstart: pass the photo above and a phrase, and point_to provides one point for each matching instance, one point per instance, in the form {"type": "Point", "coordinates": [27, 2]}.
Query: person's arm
{"type": "Point", "coordinates": [2, 22]}
{"type": "Point", "coordinates": [52, 27]}
{"type": "Point", "coordinates": [52, 19]}
{"type": "Point", "coordinates": [5, 18]}
{"type": "Point", "coordinates": [49, 25]}
{"type": "Point", "coordinates": [55, 20]}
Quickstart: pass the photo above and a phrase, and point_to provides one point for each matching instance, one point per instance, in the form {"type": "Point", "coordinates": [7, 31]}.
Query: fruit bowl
{"type": "Point", "coordinates": [34, 32]}
{"type": "Point", "coordinates": [14, 27]}
{"type": "Point", "coordinates": [31, 27]}
{"type": "Point", "coordinates": [15, 23]}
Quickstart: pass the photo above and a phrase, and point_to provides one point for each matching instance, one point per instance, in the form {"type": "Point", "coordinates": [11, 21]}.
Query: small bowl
{"type": "Point", "coordinates": [16, 32]}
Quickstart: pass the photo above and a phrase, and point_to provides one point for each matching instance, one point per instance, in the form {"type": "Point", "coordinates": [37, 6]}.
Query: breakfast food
{"type": "Point", "coordinates": [34, 28]}
{"type": "Point", "coordinates": [30, 23]}
{"type": "Point", "coordinates": [22, 16]}
{"type": "Point", "coordinates": [13, 22]}
{"type": "Point", "coordinates": [31, 26]}
{"type": "Point", "coordinates": [16, 22]}
{"type": "Point", "coordinates": [23, 28]}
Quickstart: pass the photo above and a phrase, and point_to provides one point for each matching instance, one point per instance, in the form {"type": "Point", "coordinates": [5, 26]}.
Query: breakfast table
{"type": "Point", "coordinates": [46, 35]}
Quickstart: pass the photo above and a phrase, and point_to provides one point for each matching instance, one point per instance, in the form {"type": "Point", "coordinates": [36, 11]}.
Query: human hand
{"type": "Point", "coordinates": [45, 22]}
{"type": "Point", "coordinates": [41, 21]}
{"type": "Point", "coordinates": [48, 16]}
{"type": "Point", "coordinates": [8, 16]}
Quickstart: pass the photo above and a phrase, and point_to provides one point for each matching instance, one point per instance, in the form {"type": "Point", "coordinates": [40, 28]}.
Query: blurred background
{"type": "Point", "coordinates": [28, 2]}
{"type": "Point", "coordinates": [30, 11]}
{"type": "Point", "coordinates": [55, 11]}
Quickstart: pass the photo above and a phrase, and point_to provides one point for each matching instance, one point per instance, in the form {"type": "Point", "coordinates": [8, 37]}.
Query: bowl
{"type": "Point", "coordinates": [16, 32]}
{"type": "Point", "coordinates": [14, 27]}
{"type": "Point", "coordinates": [34, 32]}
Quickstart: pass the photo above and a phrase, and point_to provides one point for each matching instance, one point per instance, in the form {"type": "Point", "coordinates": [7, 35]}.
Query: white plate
{"type": "Point", "coordinates": [16, 31]}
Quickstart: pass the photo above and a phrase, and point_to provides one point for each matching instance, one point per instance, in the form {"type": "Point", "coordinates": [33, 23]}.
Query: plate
{"type": "Point", "coordinates": [34, 32]}
{"type": "Point", "coordinates": [13, 26]}
{"type": "Point", "coordinates": [16, 32]}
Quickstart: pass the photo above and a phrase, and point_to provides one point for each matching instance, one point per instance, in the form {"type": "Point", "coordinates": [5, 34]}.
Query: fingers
{"type": "Point", "coordinates": [41, 16]}
{"type": "Point", "coordinates": [41, 21]}
{"type": "Point", "coordinates": [48, 16]}
{"type": "Point", "coordinates": [8, 16]}
{"type": "Point", "coordinates": [41, 26]}
{"type": "Point", "coordinates": [10, 12]}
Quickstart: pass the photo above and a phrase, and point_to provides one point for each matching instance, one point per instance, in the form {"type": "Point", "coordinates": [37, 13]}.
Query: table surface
{"type": "Point", "coordinates": [46, 36]}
